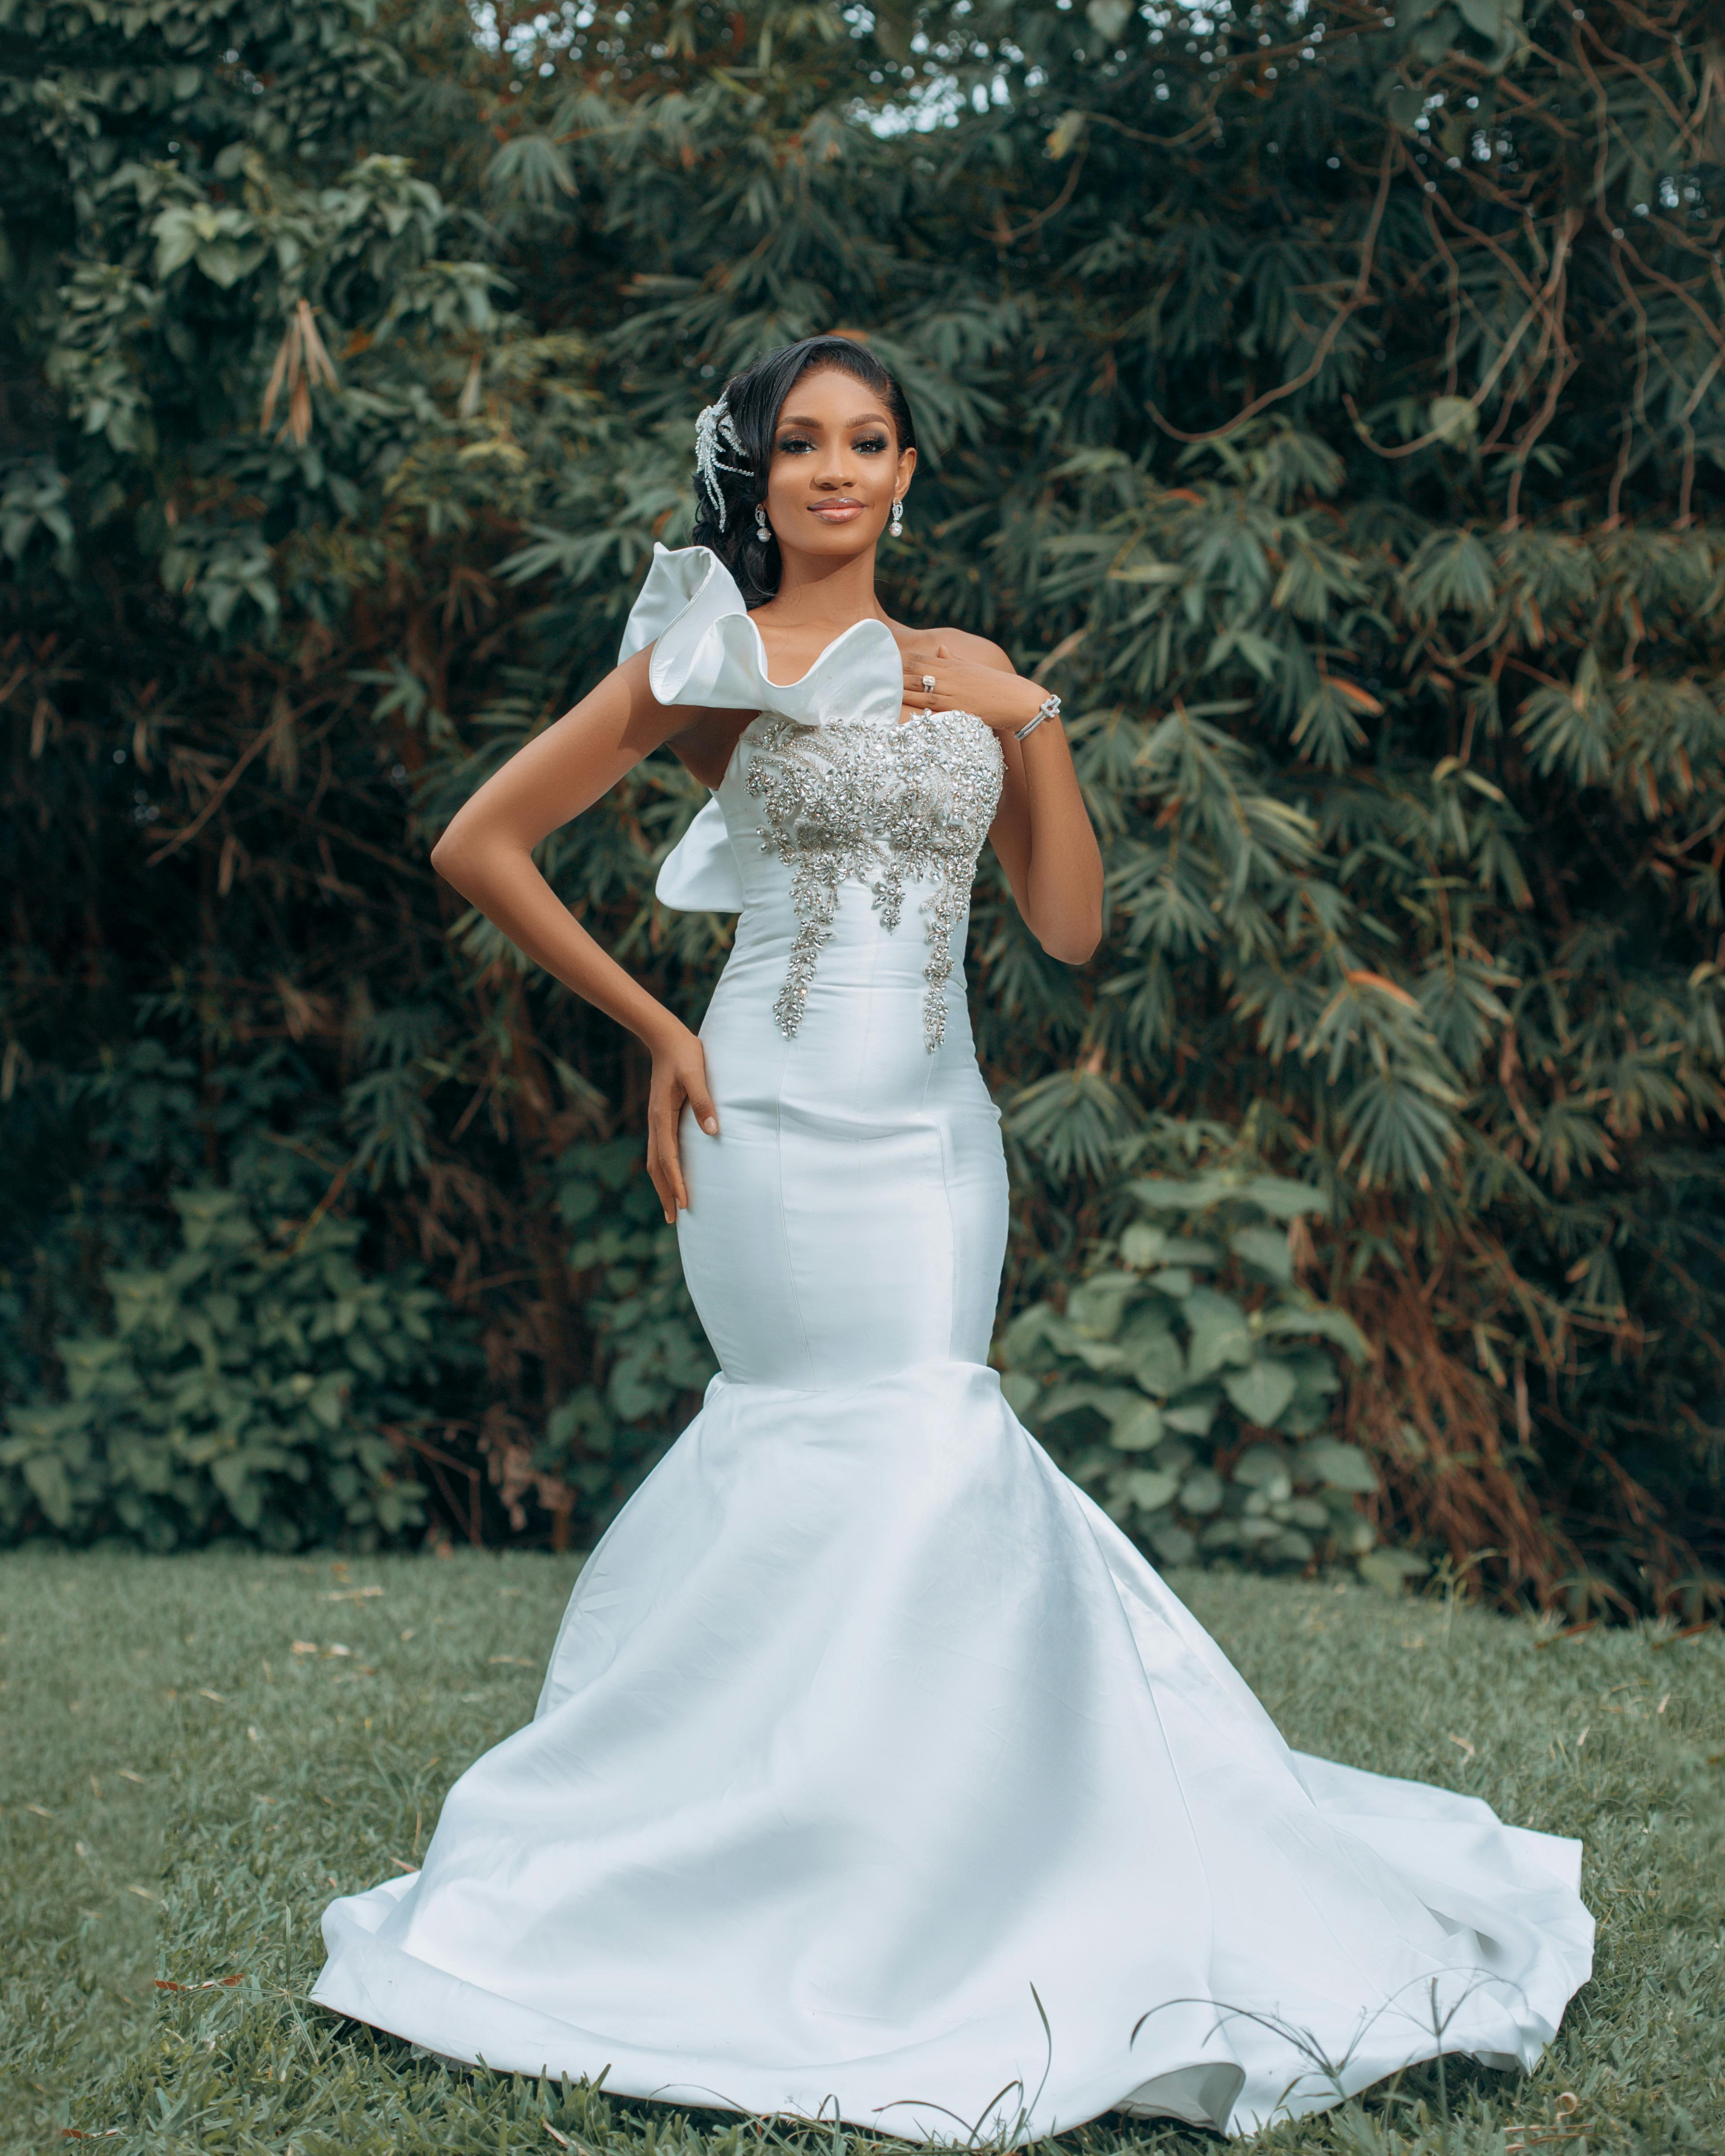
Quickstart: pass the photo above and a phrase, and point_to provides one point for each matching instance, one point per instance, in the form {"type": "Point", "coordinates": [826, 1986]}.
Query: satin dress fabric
{"type": "Point", "coordinates": [875, 1773]}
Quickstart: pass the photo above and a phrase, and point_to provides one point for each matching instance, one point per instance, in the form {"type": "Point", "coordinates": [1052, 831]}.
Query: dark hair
{"type": "Point", "coordinates": [753, 401]}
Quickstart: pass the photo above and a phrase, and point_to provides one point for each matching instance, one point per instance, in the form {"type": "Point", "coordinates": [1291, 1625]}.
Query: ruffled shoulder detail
{"type": "Point", "coordinates": [691, 611]}
{"type": "Point", "coordinates": [707, 651]}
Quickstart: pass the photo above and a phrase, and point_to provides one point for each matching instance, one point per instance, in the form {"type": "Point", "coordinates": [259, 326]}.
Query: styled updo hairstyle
{"type": "Point", "coordinates": [731, 478]}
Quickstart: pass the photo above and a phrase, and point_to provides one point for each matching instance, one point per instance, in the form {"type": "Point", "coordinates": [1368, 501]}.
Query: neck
{"type": "Point", "coordinates": [825, 587]}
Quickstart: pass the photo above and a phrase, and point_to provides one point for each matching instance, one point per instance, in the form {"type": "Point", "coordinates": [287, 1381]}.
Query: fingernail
{"type": "Point", "coordinates": [709, 1124]}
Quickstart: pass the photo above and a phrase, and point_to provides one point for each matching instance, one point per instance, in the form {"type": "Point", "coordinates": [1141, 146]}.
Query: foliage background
{"type": "Point", "coordinates": [1328, 402]}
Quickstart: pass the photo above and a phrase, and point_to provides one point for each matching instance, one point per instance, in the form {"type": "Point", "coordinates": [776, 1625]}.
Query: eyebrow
{"type": "Point", "coordinates": [802, 419]}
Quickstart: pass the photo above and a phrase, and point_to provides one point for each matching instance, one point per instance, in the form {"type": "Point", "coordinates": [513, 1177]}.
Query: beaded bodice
{"type": "Point", "coordinates": [880, 804]}
{"type": "Point", "coordinates": [826, 780]}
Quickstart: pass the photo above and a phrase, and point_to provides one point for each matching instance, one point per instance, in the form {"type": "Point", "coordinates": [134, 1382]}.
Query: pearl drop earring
{"type": "Point", "coordinates": [897, 525]}
{"type": "Point", "coordinates": [764, 529]}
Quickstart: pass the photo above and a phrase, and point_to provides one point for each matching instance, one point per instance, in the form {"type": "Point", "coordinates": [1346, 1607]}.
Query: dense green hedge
{"type": "Point", "coordinates": [247, 1381]}
{"type": "Point", "coordinates": [1330, 401]}
{"type": "Point", "coordinates": [1189, 1380]}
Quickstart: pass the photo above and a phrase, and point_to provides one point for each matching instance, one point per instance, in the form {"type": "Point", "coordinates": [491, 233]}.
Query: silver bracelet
{"type": "Point", "coordinates": [1049, 708]}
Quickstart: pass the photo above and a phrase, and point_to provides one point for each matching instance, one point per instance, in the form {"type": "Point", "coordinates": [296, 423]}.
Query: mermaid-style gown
{"type": "Point", "coordinates": [868, 1740]}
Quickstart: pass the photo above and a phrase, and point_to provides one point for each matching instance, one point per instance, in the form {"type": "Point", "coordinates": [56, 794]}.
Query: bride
{"type": "Point", "coordinates": [875, 1773]}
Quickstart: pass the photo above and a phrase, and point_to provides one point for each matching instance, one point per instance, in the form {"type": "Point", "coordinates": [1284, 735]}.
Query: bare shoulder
{"type": "Point", "coordinates": [961, 643]}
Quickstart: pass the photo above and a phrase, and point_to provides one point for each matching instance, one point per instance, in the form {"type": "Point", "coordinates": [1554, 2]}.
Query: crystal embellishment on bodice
{"type": "Point", "coordinates": [876, 803]}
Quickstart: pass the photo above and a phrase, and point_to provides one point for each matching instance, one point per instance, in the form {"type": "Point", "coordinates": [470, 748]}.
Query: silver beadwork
{"type": "Point", "coordinates": [880, 804]}
{"type": "Point", "coordinates": [714, 427]}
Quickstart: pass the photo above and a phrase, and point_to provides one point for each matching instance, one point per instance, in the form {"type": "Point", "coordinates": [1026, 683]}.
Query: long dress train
{"type": "Point", "coordinates": [875, 1772]}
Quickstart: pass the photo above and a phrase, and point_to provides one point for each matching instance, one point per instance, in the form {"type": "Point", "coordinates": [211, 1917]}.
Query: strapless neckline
{"type": "Point", "coordinates": [867, 621]}
{"type": "Point", "coordinates": [708, 651]}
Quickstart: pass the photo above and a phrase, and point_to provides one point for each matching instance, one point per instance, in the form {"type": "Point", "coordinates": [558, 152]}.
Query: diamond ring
{"type": "Point", "coordinates": [928, 684]}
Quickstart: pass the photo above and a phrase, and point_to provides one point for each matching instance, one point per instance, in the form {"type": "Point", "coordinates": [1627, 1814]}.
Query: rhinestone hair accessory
{"type": "Point", "coordinates": [715, 431]}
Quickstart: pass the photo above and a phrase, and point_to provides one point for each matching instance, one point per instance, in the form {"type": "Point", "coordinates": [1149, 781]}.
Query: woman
{"type": "Point", "coordinates": [875, 1772]}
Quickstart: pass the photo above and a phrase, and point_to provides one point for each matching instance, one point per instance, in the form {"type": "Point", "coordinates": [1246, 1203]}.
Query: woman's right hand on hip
{"type": "Point", "coordinates": [679, 1076]}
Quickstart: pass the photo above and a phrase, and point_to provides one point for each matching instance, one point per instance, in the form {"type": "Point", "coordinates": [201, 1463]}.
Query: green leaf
{"type": "Point", "coordinates": [1304, 1512]}
{"type": "Point", "coordinates": [1107, 1400]}
{"type": "Point", "coordinates": [1072, 1120]}
{"type": "Point", "coordinates": [1451, 572]}
{"type": "Point", "coordinates": [1219, 1333]}
{"type": "Point", "coordinates": [1338, 1466]}
{"type": "Point", "coordinates": [1326, 1323]}
{"type": "Point", "coordinates": [1193, 1416]}
{"type": "Point", "coordinates": [1137, 1428]}
{"type": "Point", "coordinates": [329, 1399]}
{"type": "Point", "coordinates": [1485, 17]}
{"type": "Point", "coordinates": [1150, 1488]}
{"type": "Point", "coordinates": [1142, 1245]}
{"type": "Point", "coordinates": [578, 1200]}
{"type": "Point", "coordinates": [1266, 1469]}
{"type": "Point", "coordinates": [1110, 17]}
{"type": "Point", "coordinates": [1167, 1194]}
{"type": "Point", "coordinates": [1262, 1390]}
{"type": "Point", "coordinates": [1154, 1355]}
{"type": "Point", "coordinates": [1020, 1391]}
{"type": "Point", "coordinates": [50, 1486]}
{"type": "Point", "coordinates": [1094, 1306]}
{"type": "Point", "coordinates": [1282, 1198]}
{"type": "Point", "coordinates": [1264, 1249]}
{"type": "Point", "coordinates": [231, 1473]}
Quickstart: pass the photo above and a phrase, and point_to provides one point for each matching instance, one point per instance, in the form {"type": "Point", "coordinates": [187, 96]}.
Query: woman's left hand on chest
{"type": "Point", "coordinates": [1001, 700]}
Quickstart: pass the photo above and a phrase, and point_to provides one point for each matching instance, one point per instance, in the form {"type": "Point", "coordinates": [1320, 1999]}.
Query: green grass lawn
{"type": "Point", "coordinates": [198, 1750]}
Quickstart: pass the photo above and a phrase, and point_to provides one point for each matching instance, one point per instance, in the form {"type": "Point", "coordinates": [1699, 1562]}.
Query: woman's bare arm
{"type": "Point", "coordinates": [1041, 832]}
{"type": "Point", "coordinates": [487, 854]}
{"type": "Point", "coordinates": [1043, 837]}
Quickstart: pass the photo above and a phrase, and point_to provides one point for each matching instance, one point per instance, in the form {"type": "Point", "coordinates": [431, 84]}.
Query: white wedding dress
{"type": "Point", "coordinates": [868, 1742]}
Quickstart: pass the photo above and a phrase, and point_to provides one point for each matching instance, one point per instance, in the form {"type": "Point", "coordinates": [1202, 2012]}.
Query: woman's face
{"type": "Point", "coordinates": [836, 466]}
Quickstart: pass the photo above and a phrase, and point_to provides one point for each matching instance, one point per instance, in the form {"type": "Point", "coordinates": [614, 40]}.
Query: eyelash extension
{"type": "Point", "coordinates": [872, 444]}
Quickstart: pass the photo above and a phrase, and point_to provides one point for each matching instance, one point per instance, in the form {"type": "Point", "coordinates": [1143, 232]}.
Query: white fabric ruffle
{"type": "Point", "coordinates": [707, 651]}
